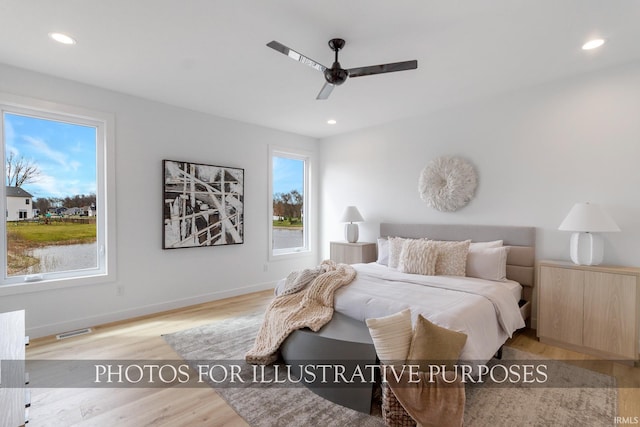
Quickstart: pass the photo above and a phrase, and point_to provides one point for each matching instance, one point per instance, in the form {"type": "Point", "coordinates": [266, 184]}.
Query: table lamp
{"type": "Point", "coordinates": [351, 215]}
{"type": "Point", "coordinates": [586, 219]}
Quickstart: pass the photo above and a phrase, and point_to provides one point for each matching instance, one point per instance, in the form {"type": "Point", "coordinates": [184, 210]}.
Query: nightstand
{"type": "Point", "coordinates": [353, 253]}
{"type": "Point", "coordinates": [591, 309]}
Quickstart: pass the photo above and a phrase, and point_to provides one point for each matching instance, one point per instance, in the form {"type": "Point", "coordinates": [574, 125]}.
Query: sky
{"type": "Point", "coordinates": [288, 174]}
{"type": "Point", "coordinates": [64, 153]}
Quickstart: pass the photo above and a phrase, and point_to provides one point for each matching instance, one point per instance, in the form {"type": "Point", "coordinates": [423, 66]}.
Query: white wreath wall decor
{"type": "Point", "coordinates": [448, 183]}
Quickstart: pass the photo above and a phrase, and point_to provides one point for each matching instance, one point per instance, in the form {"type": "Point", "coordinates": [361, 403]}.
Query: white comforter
{"type": "Point", "coordinates": [484, 310]}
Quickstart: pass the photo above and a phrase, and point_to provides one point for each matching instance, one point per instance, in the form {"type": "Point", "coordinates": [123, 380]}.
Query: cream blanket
{"type": "Point", "coordinates": [311, 308]}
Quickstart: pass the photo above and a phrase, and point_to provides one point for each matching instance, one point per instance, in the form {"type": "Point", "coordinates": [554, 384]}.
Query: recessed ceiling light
{"type": "Point", "coordinates": [62, 38]}
{"type": "Point", "coordinates": [592, 44]}
{"type": "Point", "coordinates": [331, 122]}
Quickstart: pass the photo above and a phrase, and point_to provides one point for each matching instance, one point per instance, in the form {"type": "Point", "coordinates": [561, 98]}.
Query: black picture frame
{"type": "Point", "coordinates": [203, 205]}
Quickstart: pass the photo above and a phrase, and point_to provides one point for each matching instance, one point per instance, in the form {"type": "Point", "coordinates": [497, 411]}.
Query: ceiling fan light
{"type": "Point", "coordinates": [593, 44]}
{"type": "Point", "coordinates": [331, 122]}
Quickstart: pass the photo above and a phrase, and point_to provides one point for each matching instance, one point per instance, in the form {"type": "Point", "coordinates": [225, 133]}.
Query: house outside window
{"type": "Point", "coordinates": [67, 153]}
{"type": "Point", "coordinates": [16, 198]}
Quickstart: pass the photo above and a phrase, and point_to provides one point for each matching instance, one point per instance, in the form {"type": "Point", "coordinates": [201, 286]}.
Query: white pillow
{"type": "Point", "coordinates": [483, 245]}
{"type": "Point", "coordinates": [488, 263]}
{"type": "Point", "coordinates": [418, 257]}
{"type": "Point", "coordinates": [391, 336]}
{"type": "Point", "coordinates": [383, 251]}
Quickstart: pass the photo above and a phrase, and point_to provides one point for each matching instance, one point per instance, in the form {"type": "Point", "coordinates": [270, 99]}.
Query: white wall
{"type": "Point", "coordinates": [154, 279]}
{"type": "Point", "coordinates": [537, 152]}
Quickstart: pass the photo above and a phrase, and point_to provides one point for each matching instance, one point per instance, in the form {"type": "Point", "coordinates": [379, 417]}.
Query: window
{"type": "Point", "coordinates": [59, 160]}
{"type": "Point", "coordinates": [289, 212]}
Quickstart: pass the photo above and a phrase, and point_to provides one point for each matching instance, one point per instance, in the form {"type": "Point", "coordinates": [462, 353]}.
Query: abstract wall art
{"type": "Point", "coordinates": [203, 205]}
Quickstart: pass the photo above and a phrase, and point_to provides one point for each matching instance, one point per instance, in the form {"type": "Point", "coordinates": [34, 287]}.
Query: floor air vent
{"type": "Point", "coordinates": [73, 333]}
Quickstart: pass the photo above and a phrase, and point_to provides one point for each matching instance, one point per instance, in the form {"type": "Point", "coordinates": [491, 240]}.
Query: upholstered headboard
{"type": "Point", "coordinates": [522, 240]}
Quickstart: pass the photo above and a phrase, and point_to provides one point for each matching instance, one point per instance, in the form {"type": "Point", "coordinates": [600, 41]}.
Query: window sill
{"type": "Point", "coordinates": [290, 255]}
{"type": "Point", "coordinates": [53, 284]}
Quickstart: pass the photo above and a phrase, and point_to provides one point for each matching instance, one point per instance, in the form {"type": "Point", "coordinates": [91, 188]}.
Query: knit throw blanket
{"type": "Point", "coordinates": [311, 308]}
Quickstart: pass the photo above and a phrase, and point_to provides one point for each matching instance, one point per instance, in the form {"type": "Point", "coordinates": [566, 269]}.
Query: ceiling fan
{"type": "Point", "coordinates": [336, 75]}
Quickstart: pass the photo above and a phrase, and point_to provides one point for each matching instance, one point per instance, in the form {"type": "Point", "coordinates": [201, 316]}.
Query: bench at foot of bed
{"type": "Point", "coordinates": [344, 344]}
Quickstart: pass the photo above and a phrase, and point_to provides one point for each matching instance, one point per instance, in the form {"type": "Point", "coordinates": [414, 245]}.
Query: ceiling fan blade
{"type": "Point", "coordinates": [297, 56]}
{"type": "Point", "coordinates": [383, 68]}
{"type": "Point", "coordinates": [325, 91]}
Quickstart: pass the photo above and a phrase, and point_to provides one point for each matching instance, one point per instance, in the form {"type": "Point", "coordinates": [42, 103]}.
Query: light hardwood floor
{"type": "Point", "coordinates": [140, 338]}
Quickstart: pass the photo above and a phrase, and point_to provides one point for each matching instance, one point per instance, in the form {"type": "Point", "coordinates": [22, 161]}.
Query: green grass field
{"type": "Point", "coordinates": [55, 233]}
{"type": "Point", "coordinates": [293, 222]}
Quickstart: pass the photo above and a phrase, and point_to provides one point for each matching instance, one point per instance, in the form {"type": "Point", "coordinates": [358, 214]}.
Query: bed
{"type": "Point", "coordinates": [379, 290]}
{"type": "Point", "coordinates": [487, 311]}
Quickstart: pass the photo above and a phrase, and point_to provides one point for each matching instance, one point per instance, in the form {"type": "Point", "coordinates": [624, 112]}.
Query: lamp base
{"type": "Point", "coordinates": [351, 233]}
{"type": "Point", "coordinates": [586, 249]}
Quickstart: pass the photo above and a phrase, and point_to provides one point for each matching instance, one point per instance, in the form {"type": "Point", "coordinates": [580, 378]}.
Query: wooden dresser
{"type": "Point", "coordinates": [591, 309]}
{"type": "Point", "coordinates": [13, 396]}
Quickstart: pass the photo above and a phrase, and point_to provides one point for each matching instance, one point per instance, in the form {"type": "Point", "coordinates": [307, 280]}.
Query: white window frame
{"type": "Point", "coordinates": [105, 196]}
{"type": "Point", "coordinates": [307, 157]}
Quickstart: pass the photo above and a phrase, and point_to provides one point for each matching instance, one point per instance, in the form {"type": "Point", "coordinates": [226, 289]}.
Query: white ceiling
{"type": "Point", "coordinates": [210, 55]}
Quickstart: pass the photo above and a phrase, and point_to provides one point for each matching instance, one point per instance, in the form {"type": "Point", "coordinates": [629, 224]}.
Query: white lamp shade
{"type": "Point", "coordinates": [588, 217]}
{"type": "Point", "coordinates": [351, 214]}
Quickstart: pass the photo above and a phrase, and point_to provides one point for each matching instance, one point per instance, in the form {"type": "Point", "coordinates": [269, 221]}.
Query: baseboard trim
{"type": "Point", "coordinates": [92, 321]}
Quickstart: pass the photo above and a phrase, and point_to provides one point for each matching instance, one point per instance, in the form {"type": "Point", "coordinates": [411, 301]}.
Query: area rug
{"type": "Point", "coordinates": [267, 405]}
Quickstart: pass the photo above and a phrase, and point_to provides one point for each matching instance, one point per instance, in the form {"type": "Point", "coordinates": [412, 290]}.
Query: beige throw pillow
{"type": "Point", "coordinates": [395, 248]}
{"type": "Point", "coordinates": [434, 345]}
{"type": "Point", "coordinates": [452, 258]}
{"type": "Point", "coordinates": [418, 257]}
{"type": "Point", "coordinates": [391, 336]}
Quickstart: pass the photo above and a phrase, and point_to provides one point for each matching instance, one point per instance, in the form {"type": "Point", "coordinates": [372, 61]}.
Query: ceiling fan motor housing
{"type": "Point", "coordinates": [336, 75]}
